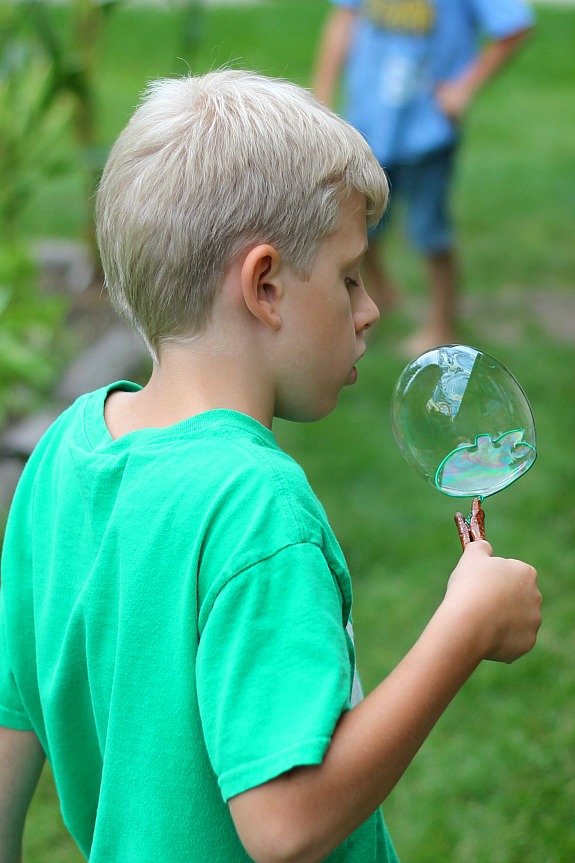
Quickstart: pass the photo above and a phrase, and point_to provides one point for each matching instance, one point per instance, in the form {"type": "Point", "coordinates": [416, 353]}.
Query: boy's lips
{"type": "Point", "coordinates": [353, 373]}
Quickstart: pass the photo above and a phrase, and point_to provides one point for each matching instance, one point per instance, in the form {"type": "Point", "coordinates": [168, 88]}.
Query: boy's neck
{"type": "Point", "coordinates": [187, 382]}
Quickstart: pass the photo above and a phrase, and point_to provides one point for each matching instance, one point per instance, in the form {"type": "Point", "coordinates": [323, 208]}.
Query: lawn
{"type": "Point", "coordinates": [495, 783]}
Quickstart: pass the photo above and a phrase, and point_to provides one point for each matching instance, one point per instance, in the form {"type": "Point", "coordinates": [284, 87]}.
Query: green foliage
{"type": "Point", "coordinates": [36, 109]}
{"type": "Point", "coordinates": [47, 96]}
{"type": "Point", "coordinates": [32, 344]}
{"type": "Point", "coordinates": [32, 119]}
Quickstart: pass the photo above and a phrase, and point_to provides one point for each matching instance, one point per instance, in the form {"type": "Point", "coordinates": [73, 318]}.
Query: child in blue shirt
{"type": "Point", "coordinates": [412, 68]}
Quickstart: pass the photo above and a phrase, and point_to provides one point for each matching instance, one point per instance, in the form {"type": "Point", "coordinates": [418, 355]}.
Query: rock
{"type": "Point", "coordinates": [10, 472]}
{"type": "Point", "coordinates": [115, 356]}
{"type": "Point", "coordinates": [20, 438]}
{"type": "Point", "coordinates": [65, 265]}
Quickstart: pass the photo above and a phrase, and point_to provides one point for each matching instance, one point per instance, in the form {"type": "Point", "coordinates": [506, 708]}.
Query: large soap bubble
{"type": "Point", "coordinates": [463, 422]}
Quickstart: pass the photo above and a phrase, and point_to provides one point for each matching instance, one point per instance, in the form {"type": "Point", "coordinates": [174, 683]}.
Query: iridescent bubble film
{"type": "Point", "coordinates": [463, 422]}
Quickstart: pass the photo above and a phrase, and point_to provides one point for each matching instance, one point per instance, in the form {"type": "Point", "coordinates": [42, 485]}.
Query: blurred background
{"type": "Point", "coordinates": [496, 781]}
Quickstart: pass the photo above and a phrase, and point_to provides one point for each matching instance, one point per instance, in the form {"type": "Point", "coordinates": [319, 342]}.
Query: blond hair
{"type": "Point", "coordinates": [207, 165]}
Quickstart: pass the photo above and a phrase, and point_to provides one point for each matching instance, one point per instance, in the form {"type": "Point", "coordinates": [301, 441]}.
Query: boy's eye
{"type": "Point", "coordinates": [351, 283]}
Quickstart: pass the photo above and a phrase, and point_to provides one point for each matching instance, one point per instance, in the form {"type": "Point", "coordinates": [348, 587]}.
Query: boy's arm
{"type": "Point", "coordinates": [332, 52]}
{"type": "Point", "coordinates": [21, 762]}
{"type": "Point", "coordinates": [455, 96]}
{"type": "Point", "coordinates": [491, 610]}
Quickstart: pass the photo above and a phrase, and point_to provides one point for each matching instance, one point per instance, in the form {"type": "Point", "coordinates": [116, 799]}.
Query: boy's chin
{"type": "Point", "coordinates": [307, 413]}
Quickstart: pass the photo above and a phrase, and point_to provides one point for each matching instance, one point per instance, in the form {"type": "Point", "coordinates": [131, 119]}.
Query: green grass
{"type": "Point", "coordinates": [495, 783]}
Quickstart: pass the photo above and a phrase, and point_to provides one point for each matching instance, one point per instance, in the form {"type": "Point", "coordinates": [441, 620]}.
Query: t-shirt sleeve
{"type": "Point", "coordinates": [12, 712]}
{"type": "Point", "coordinates": [502, 18]}
{"type": "Point", "coordinates": [274, 668]}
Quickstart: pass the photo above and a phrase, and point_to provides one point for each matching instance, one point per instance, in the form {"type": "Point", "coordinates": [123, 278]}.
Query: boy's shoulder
{"type": "Point", "coordinates": [211, 454]}
{"type": "Point", "coordinates": [221, 472]}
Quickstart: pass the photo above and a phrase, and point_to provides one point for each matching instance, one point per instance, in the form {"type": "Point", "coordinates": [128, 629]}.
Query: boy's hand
{"type": "Point", "coordinates": [454, 98]}
{"type": "Point", "coordinates": [498, 599]}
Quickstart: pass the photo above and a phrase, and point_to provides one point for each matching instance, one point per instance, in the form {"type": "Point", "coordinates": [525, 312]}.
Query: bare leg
{"type": "Point", "coordinates": [439, 329]}
{"type": "Point", "coordinates": [377, 279]}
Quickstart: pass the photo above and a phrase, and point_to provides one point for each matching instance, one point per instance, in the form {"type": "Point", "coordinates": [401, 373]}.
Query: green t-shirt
{"type": "Point", "coordinates": [173, 628]}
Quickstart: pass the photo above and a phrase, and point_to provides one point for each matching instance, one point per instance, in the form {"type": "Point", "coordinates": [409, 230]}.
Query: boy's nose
{"type": "Point", "coordinates": [367, 313]}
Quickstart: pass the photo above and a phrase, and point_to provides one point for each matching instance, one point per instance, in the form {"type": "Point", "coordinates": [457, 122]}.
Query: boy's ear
{"type": "Point", "coordinates": [261, 284]}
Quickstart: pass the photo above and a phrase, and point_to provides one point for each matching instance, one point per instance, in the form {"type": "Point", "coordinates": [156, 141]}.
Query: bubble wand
{"type": "Point", "coordinates": [464, 423]}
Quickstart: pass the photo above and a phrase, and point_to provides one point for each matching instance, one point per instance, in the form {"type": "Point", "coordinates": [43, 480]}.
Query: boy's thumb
{"type": "Point", "coordinates": [479, 547]}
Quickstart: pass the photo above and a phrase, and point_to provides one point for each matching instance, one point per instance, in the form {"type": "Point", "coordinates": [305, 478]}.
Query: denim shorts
{"type": "Point", "coordinates": [422, 189]}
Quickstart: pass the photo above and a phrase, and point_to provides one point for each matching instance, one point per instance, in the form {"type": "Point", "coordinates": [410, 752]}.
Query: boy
{"type": "Point", "coordinates": [413, 68]}
{"type": "Point", "coordinates": [175, 624]}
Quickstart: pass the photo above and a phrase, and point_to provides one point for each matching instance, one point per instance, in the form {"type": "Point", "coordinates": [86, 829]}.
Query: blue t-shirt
{"type": "Point", "coordinates": [400, 51]}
